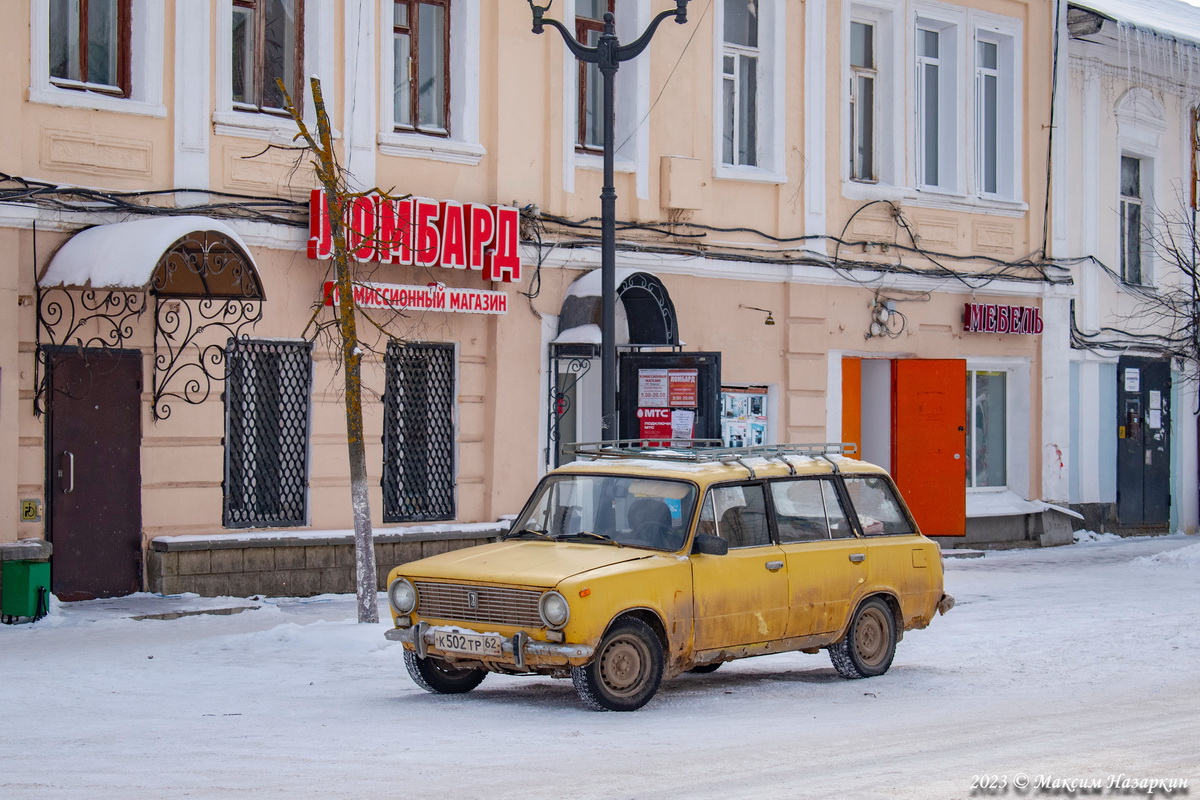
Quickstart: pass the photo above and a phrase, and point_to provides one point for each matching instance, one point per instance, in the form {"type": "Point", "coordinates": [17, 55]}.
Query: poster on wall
{"type": "Point", "coordinates": [683, 423]}
{"type": "Point", "coordinates": [744, 416]}
{"type": "Point", "coordinates": [653, 388]}
{"type": "Point", "coordinates": [681, 388]}
{"type": "Point", "coordinates": [654, 423]}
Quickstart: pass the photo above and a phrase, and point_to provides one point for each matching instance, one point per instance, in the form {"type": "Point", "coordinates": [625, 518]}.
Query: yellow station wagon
{"type": "Point", "coordinates": [632, 565]}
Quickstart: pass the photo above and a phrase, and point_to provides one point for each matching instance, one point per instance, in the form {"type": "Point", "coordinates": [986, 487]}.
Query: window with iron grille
{"type": "Point", "coordinates": [418, 433]}
{"type": "Point", "coordinates": [267, 404]}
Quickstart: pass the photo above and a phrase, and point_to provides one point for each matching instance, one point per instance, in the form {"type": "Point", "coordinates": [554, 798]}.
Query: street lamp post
{"type": "Point", "coordinates": [607, 55]}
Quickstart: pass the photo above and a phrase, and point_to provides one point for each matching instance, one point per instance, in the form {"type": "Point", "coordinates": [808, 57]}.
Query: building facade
{"type": "Point", "coordinates": [832, 222]}
{"type": "Point", "coordinates": [1125, 218]}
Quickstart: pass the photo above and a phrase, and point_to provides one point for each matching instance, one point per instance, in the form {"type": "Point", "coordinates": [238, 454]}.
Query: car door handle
{"type": "Point", "coordinates": [774, 566]}
{"type": "Point", "coordinates": [858, 558]}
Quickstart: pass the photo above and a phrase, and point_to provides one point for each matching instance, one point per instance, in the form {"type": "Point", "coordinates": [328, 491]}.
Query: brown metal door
{"type": "Point", "coordinates": [93, 472]}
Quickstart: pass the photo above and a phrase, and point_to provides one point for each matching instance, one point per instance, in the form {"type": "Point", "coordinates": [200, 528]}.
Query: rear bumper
{"type": "Point", "coordinates": [520, 651]}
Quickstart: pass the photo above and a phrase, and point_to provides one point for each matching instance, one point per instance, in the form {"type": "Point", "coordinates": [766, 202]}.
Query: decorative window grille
{"type": "Point", "coordinates": [418, 433]}
{"type": "Point", "coordinates": [267, 401]}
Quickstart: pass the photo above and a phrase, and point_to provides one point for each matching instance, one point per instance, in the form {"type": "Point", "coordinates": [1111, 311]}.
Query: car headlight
{"type": "Point", "coordinates": [554, 609]}
{"type": "Point", "coordinates": [402, 595]}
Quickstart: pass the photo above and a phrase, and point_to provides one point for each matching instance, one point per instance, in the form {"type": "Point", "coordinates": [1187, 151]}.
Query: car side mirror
{"type": "Point", "coordinates": [707, 544]}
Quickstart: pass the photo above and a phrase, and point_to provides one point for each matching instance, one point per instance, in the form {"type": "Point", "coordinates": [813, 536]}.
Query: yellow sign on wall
{"type": "Point", "coordinates": [31, 511]}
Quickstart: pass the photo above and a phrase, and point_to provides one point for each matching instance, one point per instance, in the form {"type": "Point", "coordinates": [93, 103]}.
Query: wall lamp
{"type": "Point", "coordinates": [770, 320]}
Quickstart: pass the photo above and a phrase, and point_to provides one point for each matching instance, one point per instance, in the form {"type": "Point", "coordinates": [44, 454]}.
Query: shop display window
{"type": "Point", "coordinates": [987, 433]}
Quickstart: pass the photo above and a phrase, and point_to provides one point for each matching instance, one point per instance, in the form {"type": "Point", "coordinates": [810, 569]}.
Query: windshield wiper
{"type": "Point", "coordinates": [588, 535]}
{"type": "Point", "coordinates": [529, 532]}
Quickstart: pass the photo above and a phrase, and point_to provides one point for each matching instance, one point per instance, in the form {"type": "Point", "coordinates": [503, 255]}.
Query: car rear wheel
{"type": "Point", "coordinates": [869, 645]}
{"type": "Point", "coordinates": [626, 671]}
{"type": "Point", "coordinates": [439, 677]}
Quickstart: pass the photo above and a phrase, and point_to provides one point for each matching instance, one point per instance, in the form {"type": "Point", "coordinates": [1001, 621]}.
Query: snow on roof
{"type": "Point", "coordinates": [1173, 18]}
{"type": "Point", "coordinates": [588, 284]}
{"type": "Point", "coordinates": [124, 254]}
{"type": "Point", "coordinates": [580, 334]}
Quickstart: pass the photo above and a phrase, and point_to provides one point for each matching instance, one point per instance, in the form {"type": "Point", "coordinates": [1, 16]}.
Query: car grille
{"type": "Point", "coordinates": [492, 604]}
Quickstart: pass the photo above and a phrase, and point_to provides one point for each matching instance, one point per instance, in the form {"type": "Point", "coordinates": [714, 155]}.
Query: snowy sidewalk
{"type": "Point", "coordinates": [1075, 662]}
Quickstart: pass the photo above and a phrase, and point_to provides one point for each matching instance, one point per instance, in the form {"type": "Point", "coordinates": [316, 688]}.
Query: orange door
{"type": "Point", "coordinates": [929, 441]}
{"type": "Point", "coordinates": [852, 401]}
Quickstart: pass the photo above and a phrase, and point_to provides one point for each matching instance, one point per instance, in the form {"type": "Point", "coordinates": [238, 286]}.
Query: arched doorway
{"type": "Point", "coordinates": [645, 320]}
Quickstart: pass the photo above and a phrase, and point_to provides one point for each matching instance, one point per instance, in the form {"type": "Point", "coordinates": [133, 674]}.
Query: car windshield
{"type": "Point", "coordinates": [606, 509]}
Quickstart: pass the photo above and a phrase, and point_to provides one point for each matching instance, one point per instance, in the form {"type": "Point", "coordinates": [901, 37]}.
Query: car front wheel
{"type": "Point", "coordinates": [439, 677]}
{"type": "Point", "coordinates": [869, 645]}
{"type": "Point", "coordinates": [626, 671]}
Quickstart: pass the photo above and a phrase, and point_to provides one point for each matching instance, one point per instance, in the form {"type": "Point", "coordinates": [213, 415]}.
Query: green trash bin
{"type": "Point", "coordinates": [24, 590]}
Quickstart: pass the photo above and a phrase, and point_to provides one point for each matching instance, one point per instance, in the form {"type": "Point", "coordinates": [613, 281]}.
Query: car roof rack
{"type": "Point", "coordinates": [701, 451]}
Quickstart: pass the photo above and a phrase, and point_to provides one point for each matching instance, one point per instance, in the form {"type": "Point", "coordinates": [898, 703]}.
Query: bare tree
{"type": "Point", "coordinates": [1165, 319]}
{"type": "Point", "coordinates": [344, 330]}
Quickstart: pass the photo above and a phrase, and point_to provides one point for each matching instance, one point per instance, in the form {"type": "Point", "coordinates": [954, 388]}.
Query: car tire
{"type": "Point", "coordinates": [437, 676]}
{"type": "Point", "coordinates": [704, 669]}
{"type": "Point", "coordinates": [869, 645]}
{"type": "Point", "coordinates": [626, 670]}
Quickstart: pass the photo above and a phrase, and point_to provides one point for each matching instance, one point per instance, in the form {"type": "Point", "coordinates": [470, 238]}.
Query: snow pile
{"type": "Point", "coordinates": [1090, 537]}
{"type": "Point", "coordinates": [1188, 557]}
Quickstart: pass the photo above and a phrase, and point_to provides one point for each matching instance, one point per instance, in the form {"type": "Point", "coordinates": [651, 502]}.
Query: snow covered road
{"type": "Point", "coordinates": [1074, 663]}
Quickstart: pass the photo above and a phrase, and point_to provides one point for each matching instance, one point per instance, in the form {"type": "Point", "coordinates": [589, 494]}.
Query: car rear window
{"type": "Point", "coordinates": [879, 512]}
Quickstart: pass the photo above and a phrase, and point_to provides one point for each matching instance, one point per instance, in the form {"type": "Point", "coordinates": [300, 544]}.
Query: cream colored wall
{"type": "Point", "coordinates": [10, 525]}
{"type": "Point", "coordinates": [966, 232]}
{"type": "Point", "coordinates": [500, 407]}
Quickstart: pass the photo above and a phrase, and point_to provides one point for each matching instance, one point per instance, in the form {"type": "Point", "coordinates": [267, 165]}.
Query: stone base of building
{"type": "Point", "coordinates": [1044, 529]}
{"type": "Point", "coordinates": [1102, 518]}
{"type": "Point", "coordinates": [290, 566]}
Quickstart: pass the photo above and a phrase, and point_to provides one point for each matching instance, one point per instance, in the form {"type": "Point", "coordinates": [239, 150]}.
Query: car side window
{"type": "Point", "coordinates": [874, 500]}
{"type": "Point", "coordinates": [740, 513]}
{"type": "Point", "coordinates": [807, 510]}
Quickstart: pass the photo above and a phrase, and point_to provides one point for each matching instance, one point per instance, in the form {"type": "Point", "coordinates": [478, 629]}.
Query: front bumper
{"type": "Point", "coordinates": [519, 650]}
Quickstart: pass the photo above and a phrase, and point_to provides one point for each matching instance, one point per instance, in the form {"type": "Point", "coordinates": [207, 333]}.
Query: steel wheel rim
{"type": "Point", "coordinates": [623, 665]}
{"type": "Point", "coordinates": [871, 637]}
{"type": "Point", "coordinates": [447, 670]}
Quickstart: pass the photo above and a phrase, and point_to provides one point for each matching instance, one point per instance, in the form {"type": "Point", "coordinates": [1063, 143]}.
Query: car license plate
{"type": "Point", "coordinates": [473, 643]}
